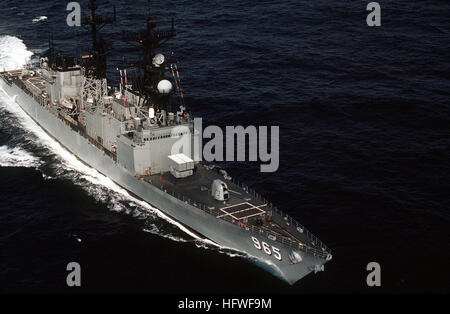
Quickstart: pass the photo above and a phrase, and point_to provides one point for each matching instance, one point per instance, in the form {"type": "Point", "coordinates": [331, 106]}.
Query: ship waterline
{"type": "Point", "coordinates": [224, 233]}
{"type": "Point", "coordinates": [127, 134]}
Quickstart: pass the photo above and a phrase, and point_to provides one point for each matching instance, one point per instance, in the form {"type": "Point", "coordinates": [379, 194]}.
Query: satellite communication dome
{"type": "Point", "coordinates": [158, 60]}
{"type": "Point", "coordinates": [164, 87]}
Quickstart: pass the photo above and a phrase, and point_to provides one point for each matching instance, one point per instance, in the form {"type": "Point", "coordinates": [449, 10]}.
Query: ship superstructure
{"type": "Point", "coordinates": [129, 132]}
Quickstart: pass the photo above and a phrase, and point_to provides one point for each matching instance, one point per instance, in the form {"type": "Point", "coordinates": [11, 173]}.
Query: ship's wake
{"type": "Point", "coordinates": [13, 53]}
{"type": "Point", "coordinates": [17, 157]}
{"type": "Point", "coordinates": [55, 162]}
{"type": "Point", "coordinates": [39, 19]}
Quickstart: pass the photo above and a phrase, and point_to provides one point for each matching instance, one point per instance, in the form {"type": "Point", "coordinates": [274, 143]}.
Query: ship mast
{"type": "Point", "coordinates": [153, 66]}
{"type": "Point", "coordinates": [95, 86]}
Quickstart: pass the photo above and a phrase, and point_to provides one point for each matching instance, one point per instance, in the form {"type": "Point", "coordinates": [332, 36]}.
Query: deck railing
{"type": "Point", "coordinates": [287, 218]}
{"type": "Point", "coordinates": [323, 252]}
{"type": "Point", "coordinates": [77, 128]}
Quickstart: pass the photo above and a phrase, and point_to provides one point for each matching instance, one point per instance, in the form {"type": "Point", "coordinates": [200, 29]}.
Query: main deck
{"type": "Point", "coordinates": [244, 207]}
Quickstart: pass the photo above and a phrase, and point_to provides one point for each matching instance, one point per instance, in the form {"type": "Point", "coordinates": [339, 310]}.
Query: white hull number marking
{"type": "Point", "coordinates": [266, 248]}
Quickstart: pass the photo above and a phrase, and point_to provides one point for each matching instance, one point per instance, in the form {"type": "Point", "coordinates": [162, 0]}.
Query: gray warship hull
{"type": "Point", "coordinates": [296, 261]}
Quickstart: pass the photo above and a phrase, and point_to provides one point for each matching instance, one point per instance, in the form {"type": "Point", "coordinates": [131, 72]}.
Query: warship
{"type": "Point", "coordinates": [128, 132]}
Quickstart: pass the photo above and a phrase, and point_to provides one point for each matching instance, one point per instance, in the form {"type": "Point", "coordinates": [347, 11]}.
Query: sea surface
{"type": "Point", "coordinates": [364, 147]}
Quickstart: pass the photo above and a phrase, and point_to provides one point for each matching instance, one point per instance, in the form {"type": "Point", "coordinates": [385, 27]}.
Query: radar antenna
{"type": "Point", "coordinates": [94, 86]}
{"type": "Point", "coordinates": [154, 67]}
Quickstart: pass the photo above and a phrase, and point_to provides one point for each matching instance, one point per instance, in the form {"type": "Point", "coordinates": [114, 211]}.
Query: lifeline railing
{"type": "Point", "coordinates": [324, 252]}
{"type": "Point", "coordinates": [80, 130]}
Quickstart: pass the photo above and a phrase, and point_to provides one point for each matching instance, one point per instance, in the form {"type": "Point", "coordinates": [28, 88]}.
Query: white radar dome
{"type": "Point", "coordinates": [164, 87]}
{"type": "Point", "coordinates": [158, 60]}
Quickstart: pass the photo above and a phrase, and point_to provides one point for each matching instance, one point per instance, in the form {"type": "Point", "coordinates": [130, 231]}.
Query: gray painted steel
{"type": "Point", "coordinates": [219, 231]}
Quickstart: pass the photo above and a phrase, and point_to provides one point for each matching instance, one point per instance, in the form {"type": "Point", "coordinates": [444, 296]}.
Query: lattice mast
{"type": "Point", "coordinates": [153, 66]}
{"type": "Point", "coordinates": [94, 85]}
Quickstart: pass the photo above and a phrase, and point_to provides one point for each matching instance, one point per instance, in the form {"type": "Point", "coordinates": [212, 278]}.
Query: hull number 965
{"type": "Point", "coordinates": [266, 248]}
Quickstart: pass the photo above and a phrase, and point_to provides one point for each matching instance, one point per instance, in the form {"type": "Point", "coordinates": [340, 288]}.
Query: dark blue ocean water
{"type": "Point", "coordinates": [364, 157]}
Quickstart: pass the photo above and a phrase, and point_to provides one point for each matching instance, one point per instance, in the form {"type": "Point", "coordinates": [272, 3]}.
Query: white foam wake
{"type": "Point", "coordinates": [16, 157]}
{"type": "Point", "coordinates": [70, 162]}
{"type": "Point", "coordinates": [39, 18]}
{"type": "Point", "coordinates": [13, 53]}
{"type": "Point", "coordinates": [90, 179]}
